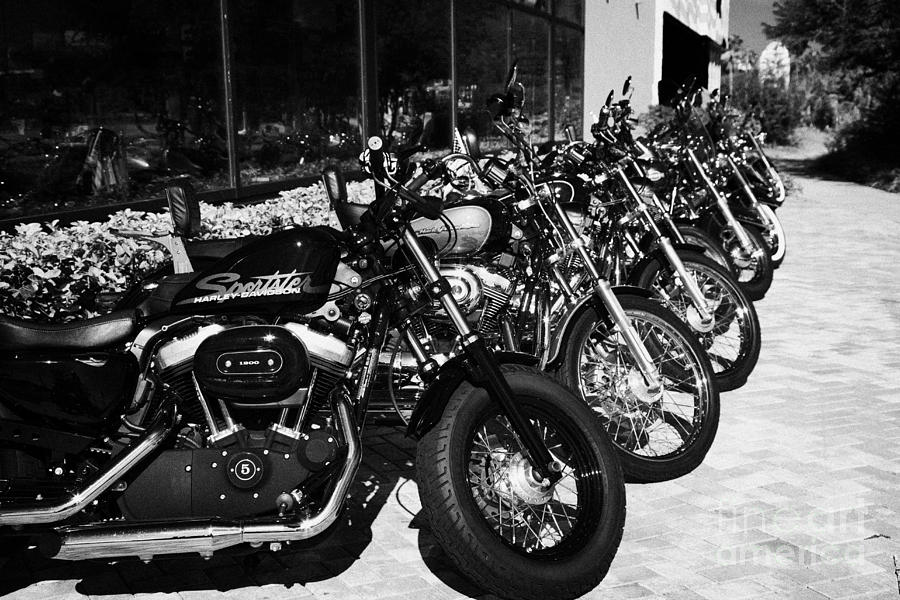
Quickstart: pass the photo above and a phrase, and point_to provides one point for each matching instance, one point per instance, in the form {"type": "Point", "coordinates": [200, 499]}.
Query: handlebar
{"type": "Point", "coordinates": [376, 162]}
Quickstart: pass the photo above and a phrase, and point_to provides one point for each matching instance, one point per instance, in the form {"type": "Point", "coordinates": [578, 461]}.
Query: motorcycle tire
{"type": "Point", "coordinates": [482, 502]}
{"type": "Point", "coordinates": [698, 237]}
{"type": "Point", "coordinates": [753, 273]}
{"type": "Point", "coordinates": [653, 441]}
{"type": "Point", "coordinates": [733, 342]}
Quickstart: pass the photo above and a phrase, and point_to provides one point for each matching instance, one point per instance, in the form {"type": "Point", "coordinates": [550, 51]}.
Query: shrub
{"type": "Point", "coordinates": [54, 273]}
{"type": "Point", "coordinates": [778, 110]}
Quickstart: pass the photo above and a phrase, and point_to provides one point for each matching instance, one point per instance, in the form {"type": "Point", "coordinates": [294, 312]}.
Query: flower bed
{"type": "Point", "coordinates": [53, 273]}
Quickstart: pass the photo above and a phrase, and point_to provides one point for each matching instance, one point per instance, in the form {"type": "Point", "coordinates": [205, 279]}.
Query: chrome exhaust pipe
{"type": "Point", "coordinates": [51, 513]}
{"type": "Point", "coordinates": [206, 537]}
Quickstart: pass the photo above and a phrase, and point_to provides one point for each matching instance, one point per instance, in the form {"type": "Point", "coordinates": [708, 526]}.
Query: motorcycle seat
{"type": "Point", "coordinates": [91, 334]}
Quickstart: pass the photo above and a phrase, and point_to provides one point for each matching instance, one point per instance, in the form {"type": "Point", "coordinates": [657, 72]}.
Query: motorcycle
{"type": "Point", "coordinates": [503, 253]}
{"type": "Point", "coordinates": [228, 410]}
{"type": "Point", "coordinates": [757, 188]}
{"type": "Point", "coordinates": [638, 245]}
{"type": "Point", "coordinates": [695, 176]}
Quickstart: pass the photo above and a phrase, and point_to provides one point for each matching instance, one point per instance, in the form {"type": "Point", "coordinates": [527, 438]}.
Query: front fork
{"type": "Point", "coordinates": [732, 221]}
{"type": "Point", "coordinates": [751, 197]}
{"type": "Point", "coordinates": [779, 184]}
{"type": "Point", "coordinates": [604, 290]}
{"type": "Point", "coordinates": [690, 284]}
{"type": "Point", "coordinates": [489, 372]}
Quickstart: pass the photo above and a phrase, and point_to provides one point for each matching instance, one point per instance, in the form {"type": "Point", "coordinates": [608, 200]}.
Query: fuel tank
{"type": "Point", "coordinates": [290, 268]}
{"type": "Point", "coordinates": [468, 226]}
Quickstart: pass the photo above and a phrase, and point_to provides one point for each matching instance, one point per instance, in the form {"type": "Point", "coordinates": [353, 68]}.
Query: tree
{"type": "Point", "coordinates": [855, 45]}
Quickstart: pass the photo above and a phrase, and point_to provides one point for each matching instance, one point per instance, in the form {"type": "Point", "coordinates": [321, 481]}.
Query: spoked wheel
{"type": "Point", "coordinates": [510, 533]}
{"type": "Point", "coordinates": [698, 237]}
{"type": "Point", "coordinates": [732, 339]}
{"type": "Point", "coordinates": [753, 270]}
{"type": "Point", "coordinates": [661, 435]}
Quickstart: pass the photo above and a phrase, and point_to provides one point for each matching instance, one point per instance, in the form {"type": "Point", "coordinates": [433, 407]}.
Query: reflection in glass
{"type": "Point", "coordinates": [568, 79]}
{"type": "Point", "coordinates": [481, 65]}
{"type": "Point", "coordinates": [530, 37]}
{"type": "Point", "coordinates": [101, 101]}
{"type": "Point", "coordinates": [414, 71]}
{"type": "Point", "coordinates": [296, 86]}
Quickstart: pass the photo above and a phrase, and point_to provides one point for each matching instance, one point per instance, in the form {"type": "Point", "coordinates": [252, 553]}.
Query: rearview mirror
{"type": "Point", "coordinates": [609, 98]}
{"type": "Point", "coordinates": [627, 86]}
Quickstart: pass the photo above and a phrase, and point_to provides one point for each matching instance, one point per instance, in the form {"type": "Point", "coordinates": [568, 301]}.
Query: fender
{"type": "Point", "coordinates": [449, 377]}
{"type": "Point", "coordinates": [648, 244]}
{"type": "Point", "coordinates": [564, 330]}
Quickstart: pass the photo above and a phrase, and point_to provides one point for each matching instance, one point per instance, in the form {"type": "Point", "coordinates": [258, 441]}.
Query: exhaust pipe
{"type": "Point", "coordinates": [206, 537]}
{"type": "Point", "coordinates": [52, 513]}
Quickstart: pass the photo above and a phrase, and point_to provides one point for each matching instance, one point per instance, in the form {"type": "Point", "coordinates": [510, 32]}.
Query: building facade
{"type": "Point", "coordinates": [102, 101]}
{"type": "Point", "coordinates": [659, 43]}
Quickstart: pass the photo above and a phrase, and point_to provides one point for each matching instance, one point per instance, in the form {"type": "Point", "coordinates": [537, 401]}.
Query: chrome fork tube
{"type": "Point", "coordinates": [772, 172]}
{"type": "Point", "coordinates": [632, 339]}
{"type": "Point", "coordinates": [735, 225]}
{"type": "Point", "coordinates": [748, 192]}
{"type": "Point", "coordinates": [492, 379]}
{"type": "Point", "coordinates": [690, 284]}
{"type": "Point", "coordinates": [667, 217]}
{"type": "Point", "coordinates": [605, 291]}
{"type": "Point", "coordinates": [432, 275]}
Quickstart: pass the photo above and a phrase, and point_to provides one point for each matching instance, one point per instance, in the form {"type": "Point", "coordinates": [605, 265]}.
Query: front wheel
{"type": "Point", "coordinates": [660, 435]}
{"type": "Point", "coordinates": [732, 340]}
{"type": "Point", "coordinates": [510, 533]}
{"type": "Point", "coordinates": [753, 270]}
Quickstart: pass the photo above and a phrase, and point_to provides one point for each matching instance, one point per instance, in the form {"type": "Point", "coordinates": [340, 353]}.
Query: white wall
{"type": "Point", "coordinates": [618, 42]}
{"type": "Point", "coordinates": [624, 37]}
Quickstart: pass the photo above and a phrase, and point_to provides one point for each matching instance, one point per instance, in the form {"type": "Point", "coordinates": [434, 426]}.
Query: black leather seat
{"type": "Point", "coordinates": [100, 332]}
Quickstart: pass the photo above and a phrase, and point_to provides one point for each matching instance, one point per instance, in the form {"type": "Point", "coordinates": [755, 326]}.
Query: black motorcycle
{"type": "Point", "coordinates": [227, 410]}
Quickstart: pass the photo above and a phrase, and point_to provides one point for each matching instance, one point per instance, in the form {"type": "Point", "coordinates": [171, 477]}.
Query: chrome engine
{"type": "Point", "coordinates": [481, 292]}
{"type": "Point", "coordinates": [257, 421]}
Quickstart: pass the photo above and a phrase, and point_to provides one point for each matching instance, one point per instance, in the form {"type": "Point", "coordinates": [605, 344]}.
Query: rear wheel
{"type": "Point", "coordinates": [732, 340]}
{"type": "Point", "coordinates": [661, 435]}
{"type": "Point", "coordinates": [511, 534]}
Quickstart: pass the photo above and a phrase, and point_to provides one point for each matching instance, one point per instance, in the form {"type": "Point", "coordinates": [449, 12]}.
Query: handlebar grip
{"type": "Point", "coordinates": [429, 170]}
{"type": "Point", "coordinates": [375, 146]}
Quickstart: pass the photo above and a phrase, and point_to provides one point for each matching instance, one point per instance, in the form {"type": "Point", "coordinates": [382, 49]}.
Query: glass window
{"type": "Point", "coordinates": [481, 65]}
{"type": "Point", "coordinates": [101, 101]}
{"type": "Point", "coordinates": [568, 79]}
{"type": "Point", "coordinates": [296, 86]}
{"type": "Point", "coordinates": [542, 5]}
{"type": "Point", "coordinates": [530, 37]}
{"type": "Point", "coordinates": [414, 71]}
{"type": "Point", "coordinates": [570, 10]}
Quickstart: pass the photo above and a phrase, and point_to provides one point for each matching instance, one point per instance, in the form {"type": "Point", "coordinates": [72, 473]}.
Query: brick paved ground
{"type": "Point", "coordinates": [797, 499]}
